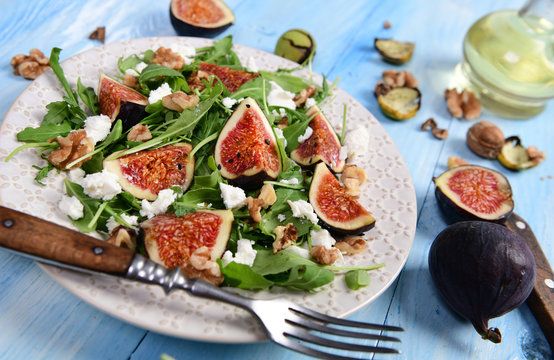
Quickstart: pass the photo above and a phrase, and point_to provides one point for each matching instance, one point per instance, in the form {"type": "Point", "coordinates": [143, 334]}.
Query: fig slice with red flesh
{"type": "Point", "coordinates": [471, 192]}
{"type": "Point", "coordinates": [118, 101]}
{"type": "Point", "coordinates": [231, 78]}
{"type": "Point", "coordinates": [200, 17]}
{"type": "Point", "coordinates": [340, 212]}
{"type": "Point", "coordinates": [170, 240]}
{"type": "Point", "coordinates": [322, 145]}
{"type": "Point", "coordinates": [246, 152]}
{"type": "Point", "coordinates": [145, 173]}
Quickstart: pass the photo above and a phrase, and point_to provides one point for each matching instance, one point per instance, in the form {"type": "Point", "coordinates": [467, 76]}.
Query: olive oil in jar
{"type": "Point", "coordinates": [509, 61]}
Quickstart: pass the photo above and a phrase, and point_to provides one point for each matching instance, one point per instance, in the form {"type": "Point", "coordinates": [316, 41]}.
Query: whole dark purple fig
{"type": "Point", "coordinates": [483, 270]}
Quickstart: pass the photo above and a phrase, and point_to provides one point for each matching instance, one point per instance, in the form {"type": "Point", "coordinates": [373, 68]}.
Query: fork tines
{"type": "Point", "coordinates": [301, 330]}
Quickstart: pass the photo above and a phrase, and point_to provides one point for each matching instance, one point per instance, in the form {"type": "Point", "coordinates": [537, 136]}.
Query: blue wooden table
{"type": "Point", "coordinates": [40, 319]}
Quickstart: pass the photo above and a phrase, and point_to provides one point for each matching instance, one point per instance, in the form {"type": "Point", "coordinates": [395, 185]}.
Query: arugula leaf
{"type": "Point", "coordinates": [267, 263]}
{"type": "Point", "coordinates": [153, 71]}
{"type": "Point", "coordinates": [243, 277]}
{"type": "Point", "coordinates": [93, 165]}
{"type": "Point", "coordinates": [218, 51]}
{"type": "Point", "coordinates": [43, 173]}
{"type": "Point", "coordinates": [356, 279]}
{"type": "Point", "coordinates": [130, 62]}
{"type": "Point", "coordinates": [43, 133]}
{"type": "Point", "coordinates": [292, 132]}
{"type": "Point", "coordinates": [307, 278]}
{"type": "Point", "coordinates": [58, 112]}
{"type": "Point", "coordinates": [88, 97]}
{"type": "Point", "coordinates": [190, 200]}
{"type": "Point", "coordinates": [71, 97]}
{"type": "Point", "coordinates": [90, 206]}
{"type": "Point", "coordinates": [286, 81]}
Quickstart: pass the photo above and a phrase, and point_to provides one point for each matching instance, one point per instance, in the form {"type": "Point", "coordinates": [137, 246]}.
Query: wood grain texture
{"type": "Point", "coordinates": [40, 320]}
{"type": "Point", "coordinates": [45, 240]}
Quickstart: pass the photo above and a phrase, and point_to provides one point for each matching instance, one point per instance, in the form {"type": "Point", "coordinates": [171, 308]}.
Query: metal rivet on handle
{"type": "Point", "coordinates": [97, 250]}
{"type": "Point", "coordinates": [8, 223]}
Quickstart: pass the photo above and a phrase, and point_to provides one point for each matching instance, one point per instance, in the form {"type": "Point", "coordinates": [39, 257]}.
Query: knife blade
{"type": "Point", "coordinates": [541, 300]}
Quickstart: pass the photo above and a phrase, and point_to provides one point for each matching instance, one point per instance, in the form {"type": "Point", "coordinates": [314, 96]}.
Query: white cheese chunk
{"type": "Point", "coordinates": [76, 175]}
{"type": "Point", "coordinates": [130, 219]}
{"type": "Point", "coordinates": [322, 238]}
{"type": "Point", "coordinates": [165, 198]}
{"type": "Point", "coordinates": [309, 103]}
{"type": "Point", "coordinates": [356, 142]}
{"type": "Point", "coordinates": [309, 131]}
{"type": "Point", "coordinates": [102, 185]}
{"type": "Point", "coordinates": [279, 97]}
{"type": "Point", "coordinates": [159, 93]}
{"type": "Point", "coordinates": [186, 52]}
{"type": "Point", "coordinates": [131, 72]}
{"type": "Point", "coordinates": [305, 253]}
{"type": "Point", "coordinates": [71, 206]}
{"type": "Point", "coordinates": [229, 102]}
{"type": "Point", "coordinates": [281, 114]}
{"type": "Point", "coordinates": [281, 217]}
{"type": "Point", "coordinates": [291, 181]}
{"type": "Point", "coordinates": [98, 127]}
{"type": "Point", "coordinates": [279, 134]}
{"type": "Point", "coordinates": [233, 197]}
{"type": "Point", "coordinates": [141, 66]}
{"type": "Point", "coordinates": [303, 209]}
{"type": "Point", "coordinates": [245, 253]}
{"type": "Point", "coordinates": [251, 65]}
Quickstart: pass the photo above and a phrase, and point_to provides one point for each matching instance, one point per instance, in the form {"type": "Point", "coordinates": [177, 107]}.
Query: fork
{"type": "Point", "coordinates": [285, 323]}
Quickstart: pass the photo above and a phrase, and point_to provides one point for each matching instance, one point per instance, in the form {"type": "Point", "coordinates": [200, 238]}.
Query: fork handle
{"type": "Point", "coordinates": [51, 243]}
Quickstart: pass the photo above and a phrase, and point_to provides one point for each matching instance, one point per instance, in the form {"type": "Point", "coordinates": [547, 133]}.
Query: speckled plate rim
{"type": "Point", "coordinates": [389, 194]}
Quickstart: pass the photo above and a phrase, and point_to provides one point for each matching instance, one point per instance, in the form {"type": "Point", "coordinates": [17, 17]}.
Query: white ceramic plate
{"type": "Point", "coordinates": [388, 194]}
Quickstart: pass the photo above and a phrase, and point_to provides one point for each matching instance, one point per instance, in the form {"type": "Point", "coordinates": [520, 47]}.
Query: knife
{"type": "Point", "coordinates": [541, 300]}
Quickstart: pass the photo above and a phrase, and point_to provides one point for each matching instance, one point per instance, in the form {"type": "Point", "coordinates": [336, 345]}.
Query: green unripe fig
{"type": "Point", "coordinates": [296, 45]}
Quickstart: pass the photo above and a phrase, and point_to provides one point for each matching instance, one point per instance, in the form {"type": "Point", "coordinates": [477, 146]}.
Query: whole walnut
{"type": "Point", "coordinates": [485, 139]}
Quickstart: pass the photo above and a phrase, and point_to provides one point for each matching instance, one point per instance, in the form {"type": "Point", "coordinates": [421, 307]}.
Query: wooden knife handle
{"type": "Point", "coordinates": [541, 300]}
{"type": "Point", "coordinates": [47, 241]}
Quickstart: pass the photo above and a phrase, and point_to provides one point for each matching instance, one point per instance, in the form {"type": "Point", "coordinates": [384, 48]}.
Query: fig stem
{"type": "Point", "coordinates": [492, 334]}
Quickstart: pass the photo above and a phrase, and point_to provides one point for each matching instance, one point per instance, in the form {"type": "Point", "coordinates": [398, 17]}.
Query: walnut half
{"type": "Point", "coordinates": [72, 147]}
{"type": "Point", "coordinates": [30, 66]}
{"type": "Point", "coordinates": [285, 236]}
{"type": "Point", "coordinates": [352, 177]}
{"type": "Point", "coordinates": [200, 265]}
{"type": "Point", "coordinates": [168, 58]}
{"type": "Point", "coordinates": [325, 256]}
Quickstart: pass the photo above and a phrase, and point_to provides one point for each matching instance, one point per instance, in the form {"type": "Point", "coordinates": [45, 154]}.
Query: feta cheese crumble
{"type": "Point", "coordinates": [229, 102]}
{"type": "Point", "coordinates": [356, 142]}
{"type": "Point", "coordinates": [165, 198]}
{"type": "Point", "coordinates": [130, 219]}
{"type": "Point", "coordinates": [322, 238]}
{"type": "Point", "coordinates": [291, 181]}
{"type": "Point", "coordinates": [159, 93]}
{"type": "Point", "coordinates": [279, 97]}
{"type": "Point", "coordinates": [279, 134]}
{"type": "Point", "coordinates": [305, 253]}
{"type": "Point", "coordinates": [98, 127]}
{"type": "Point", "coordinates": [245, 253]}
{"type": "Point", "coordinates": [306, 135]}
{"type": "Point", "coordinates": [76, 175]}
{"type": "Point", "coordinates": [186, 52]}
{"type": "Point", "coordinates": [101, 185]}
{"type": "Point", "coordinates": [131, 72]}
{"type": "Point", "coordinates": [303, 209]}
{"type": "Point", "coordinates": [281, 217]}
{"type": "Point", "coordinates": [71, 206]}
{"type": "Point", "coordinates": [137, 70]}
{"type": "Point", "coordinates": [309, 103]}
{"type": "Point", "coordinates": [233, 197]}
{"type": "Point", "coordinates": [281, 114]}
{"type": "Point", "coordinates": [251, 65]}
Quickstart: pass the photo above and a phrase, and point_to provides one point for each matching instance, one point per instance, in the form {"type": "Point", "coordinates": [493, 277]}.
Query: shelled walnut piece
{"type": "Point", "coordinates": [265, 199]}
{"type": "Point", "coordinates": [180, 101]}
{"type": "Point", "coordinates": [437, 132]}
{"type": "Point", "coordinates": [139, 133]}
{"type": "Point", "coordinates": [352, 177]}
{"type": "Point", "coordinates": [351, 246]}
{"type": "Point", "coordinates": [304, 95]}
{"type": "Point", "coordinates": [168, 58]}
{"type": "Point", "coordinates": [30, 66]}
{"type": "Point", "coordinates": [285, 236]}
{"type": "Point", "coordinates": [200, 265]}
{"type": "Point", "coordinates": [393, 79]}
{"type": "Point", "coordinates": [75, 145]}
{"type": "Point", "coordinates": [463, 104]}
{"type": "Point", "coordinates": [325, 256]}
{"type": "Point", "coordinates": [99, 34]}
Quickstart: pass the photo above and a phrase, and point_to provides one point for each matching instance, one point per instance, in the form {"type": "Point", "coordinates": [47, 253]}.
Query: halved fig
{"type": "Point", "coordinates": [471, 192]}
{"type": "Point", "coordinates": [340, 212]}
{"type": "Point", "coordinates": [322, 145]}
{"type": "Point", "coordinates": [145, 173]}
{"type": "Point", "coordinates": [246, 152]}
{"type": "Point", "coordinates": [397, 52]}
{"type": "Point", "coordinates": [232, 79]}
{"type": "Point", "coordinates": [121, 102]}
{"type": "Point", "coordinates": [200, 17]}
{"type": "Point", "coordinates": [400, 103]}
{"type": "Point", "coordinates": [170, 240]}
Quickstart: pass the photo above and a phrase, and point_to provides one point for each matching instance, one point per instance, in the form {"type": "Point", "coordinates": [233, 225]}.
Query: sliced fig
{"type": "Point", "coordinates": [145, 173]}
{"type": "Point", "coordinates": [471, 192]}
{"type": "Point", "coordinates": [169, 240]}
{"type": "Point", "coordinates": [340, 212]}
{"type": "Point", "coordinates": [246, 151]}
{"type": "Point", "coordinates": [322, 145]}
{"type": "Point", "coordinates": [200, 17]}
{"type": "Point", "coordinates": [121, 102]}
{"type": "Point", "coordinates": [232, 79]}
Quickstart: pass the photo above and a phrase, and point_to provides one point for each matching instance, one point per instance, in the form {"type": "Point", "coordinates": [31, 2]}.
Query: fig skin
{"type": "Point", "coordinates": [121, 102]}
{"type": "Point", "coordinates": [454, 212]}
{"type": "Point", "coordinates": [259, 171]}
{"type": "Point", "coordinates": [356, 224]}
{"type": "Point", "coordinates": [186, 27]}
{"type": "Point", "coordinates": [482, 270]}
